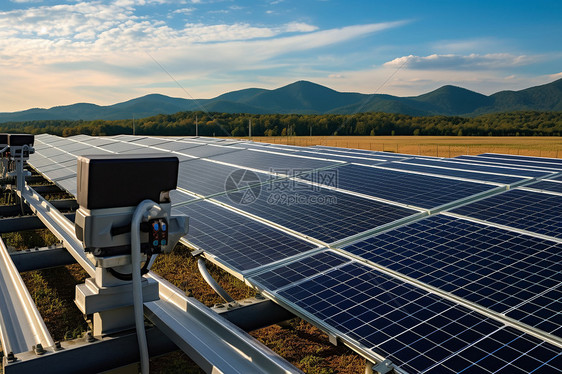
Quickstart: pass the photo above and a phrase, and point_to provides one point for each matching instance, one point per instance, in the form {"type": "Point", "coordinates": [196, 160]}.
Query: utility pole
{"type": "Point", "coordinates": [133, 124]}
{"type": "Point", "coordinates": [196, 126]}
{"type": "Point", "coordinates": [250, 129]}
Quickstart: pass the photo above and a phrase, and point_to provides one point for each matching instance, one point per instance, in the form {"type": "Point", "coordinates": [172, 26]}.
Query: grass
{"type": "Point", "coordinates": [440, 146]}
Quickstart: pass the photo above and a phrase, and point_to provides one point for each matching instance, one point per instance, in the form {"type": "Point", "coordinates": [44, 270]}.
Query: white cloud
{"type": "Point", "coordinates": [459, 62]}
{"type": "Point", "coordinates": [98, 52]}
{"type": "Point", "coordinates": [299, 27]}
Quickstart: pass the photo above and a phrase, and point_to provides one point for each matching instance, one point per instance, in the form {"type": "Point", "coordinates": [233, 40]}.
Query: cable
{"type": "Point", "coordinates": [138, 215]}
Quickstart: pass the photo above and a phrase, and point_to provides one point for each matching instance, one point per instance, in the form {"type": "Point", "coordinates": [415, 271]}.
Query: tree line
{"type": "Point", "coordinates": [522, 123]}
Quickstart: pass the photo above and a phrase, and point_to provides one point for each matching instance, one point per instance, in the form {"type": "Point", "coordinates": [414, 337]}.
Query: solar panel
{"type": "Point", "coordinates": [238, 241]}
{"type": "Point", "coordinates": [403, 187]}
{"type": "Point", "coordinates": [501, 270]}
{"type": "Point", "coordinates": [481, 176]}
{"type": "Point", "coordinates": [97, 142]}
{"type": "Point", "coordinates": [273, 162]}
{"type": "Point", "coordinates": [354, 151]}
{"type": "Point", "coordinates": [177, 145]}
{"type": "Point", "coordinates": [322, 214]}
{"type": "Point", "coordinates": [414, 329]}
{"type": "Point", "coordinates": [121, 147]}
{"type": "Point", "coordinates": [464, 165]}
{"type": "Point", "coordinates": [210, 150]}
{"type": "Point", "coordinates": [208, 178]}
{"type": "Point", "coordinates": [127, 138]}
{"type": "Point", "coordinates": [512, 273]}
{"type": "Point", "coordinates": [542, 160]}
{"type": "Point", "coordinates": [527, 210]}
{"type": "Point", "coordinates": [546, 185]}
{"type": "Point", "coordinates": [509, 162]}
{"type": "Point", "coordinates": [150, 141]}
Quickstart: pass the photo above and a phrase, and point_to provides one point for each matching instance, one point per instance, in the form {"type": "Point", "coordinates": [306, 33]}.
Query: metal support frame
{"type": "Point", "coordinates": [15, 224]}
{"type": "Point", "coordinates": [15, 210]}
{"type": "Point", "coordinates": [41, 258]}
{"type": "Point", "coordinates": [213, 342]}
{"type": "Point", "coordinates": [21, 326]}
{"type": "Point", "coordinates": [253, 313]}
{"type": "Point", "coordinates": [94, 356]}
{"type": "Point", "coordinates": [61, 227]}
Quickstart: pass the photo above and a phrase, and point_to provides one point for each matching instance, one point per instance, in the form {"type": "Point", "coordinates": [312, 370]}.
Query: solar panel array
{"type": "Point", "coordinates": [438, 265]}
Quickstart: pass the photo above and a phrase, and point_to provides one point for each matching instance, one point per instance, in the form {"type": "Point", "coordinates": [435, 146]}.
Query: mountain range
{"type": "Point", "coordinates": [305, 97]}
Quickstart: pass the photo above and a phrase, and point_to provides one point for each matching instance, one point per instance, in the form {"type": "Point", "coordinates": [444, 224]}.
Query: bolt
{"type": "Point", "coordinates": [89, 337]}
{"type": "Point", "coordinates": [58, 346]}
{"type": "Point", "coordinates": [11, 357]}
{"type": "Point", "coordinates": [38, 349]}
{"type": "Point", "coordinates": [259, 296]}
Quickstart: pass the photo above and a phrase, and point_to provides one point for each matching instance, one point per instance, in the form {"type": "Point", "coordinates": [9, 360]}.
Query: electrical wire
{"type": "Point", "coordinates": [143, 208]}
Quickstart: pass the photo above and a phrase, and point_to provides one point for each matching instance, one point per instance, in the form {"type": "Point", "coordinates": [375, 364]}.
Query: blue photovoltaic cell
{"type": "Point", "coordinates": [342, 157]}
{"type": "Point", "coordinates": [527, 210]}
{"type": "Point", "coordinates": [127, 138]}
{"type": "Point", "coordinates": [545, 160]}
{"type": "Point", "coordinates": [546, 186]}
{"type": "Point", "coordinates": [283, 276]}
{"type": "Point", "coordinates": [150, 141]}
{"type": "Point", "coordinates": [315, 212]}
{"type": "Point", "coordinates": [272, 162]}
{"type": "Point", "coordinates": [121, 147]}
{"type": "Point", "coordinates": [512, 163]}
{"type": "Point", "coordinates": [209, 178]}
{"type": "Point", "coordinates": [98, 141]}
{"type": "Point", "coordinates": [179, 197]}
{"type": "Point", "coordinates": [506, 351]}
{"type": "Point", "coordinates": [486, 177]}
{"type": "Point", "coordinates": [69, 184]}
{"type": "Point", "coordinates": [177, 146]}
{"type": "Point", "coordinates": [240, 242]}
{"type": "Point", "coordinates": [418, 190]}
{"type": "Point", "coordinates": [362, 152]}
{"type": "Point", "coordinates": [210, 150]}
{"type": "Point", "coordinates": [464, 165]}
{"type": "Point", "coordinates": [510, 273]}
{"type": "Point", "coordinates": [414, 329]}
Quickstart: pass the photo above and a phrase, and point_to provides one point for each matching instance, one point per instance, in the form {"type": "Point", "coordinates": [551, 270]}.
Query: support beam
{"type": "Point", "coordinates": [215, 344]}
{"type": "Point", "coordinates": [21, 325]}
{"type": "Point", "coordinates": [41, 258]}
{"type": "Point", "coordinates": [15, 210]}
{"type": "Point", "coordinates": [61, 227]}
{"type": "Point", "coordinates": [15, 224]}
{"type": "Point", "coordinates": [253, 313]}
{"type": "Point", "coordinates": [99, 355]}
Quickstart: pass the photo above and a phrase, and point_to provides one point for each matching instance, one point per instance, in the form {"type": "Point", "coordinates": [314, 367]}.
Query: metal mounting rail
{"type": "Point", "coordinates": [59, 225]}
{"type": "Point", "coordinates": [215, 344]}
{"type": "Point", "coordinates": [21, 325]}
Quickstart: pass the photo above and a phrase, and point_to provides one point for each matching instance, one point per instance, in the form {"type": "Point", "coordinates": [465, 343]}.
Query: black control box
{"type": "Point", "coordinates": [20, 140]}
{"type": "Point", "coordinates": [113, 181]}
{"type": "Point", "coordinates": [3, 140]}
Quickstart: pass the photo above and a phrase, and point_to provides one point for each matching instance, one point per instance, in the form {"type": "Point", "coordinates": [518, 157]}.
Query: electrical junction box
{"type": "Point", "coordinates": [110, 187]}
{"type": "Point", "coordinates": [3, 140]}
{"type": "Point", "coordinates": [18, 143]}
{"type": "Point", "coordinates": [113, 181]}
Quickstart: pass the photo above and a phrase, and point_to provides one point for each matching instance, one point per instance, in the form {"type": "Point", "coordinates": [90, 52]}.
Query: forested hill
{"type": "Point", "coordinates": [309, 98]}
{"type": "Point", "coordinates": [524, 123]}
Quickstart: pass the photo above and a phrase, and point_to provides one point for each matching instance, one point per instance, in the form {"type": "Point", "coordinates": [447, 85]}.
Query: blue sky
{"type": "Point", "coordinates": [103, 52]}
